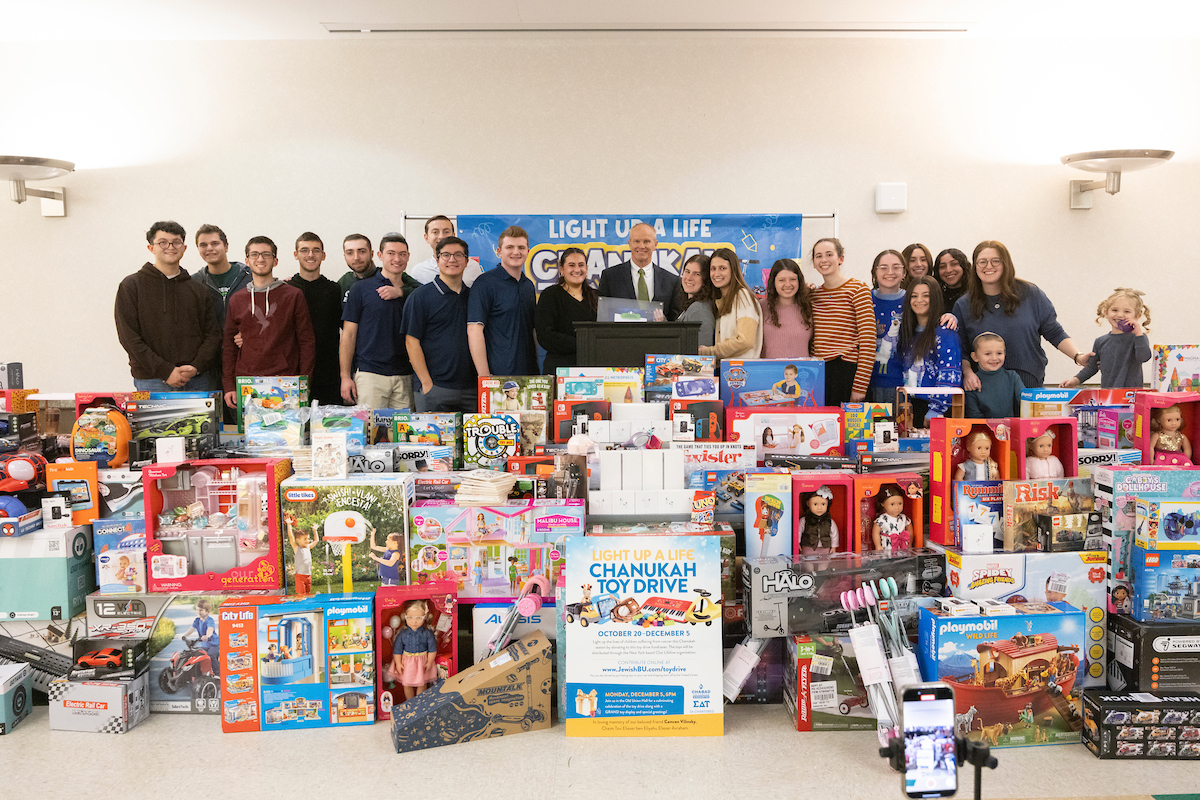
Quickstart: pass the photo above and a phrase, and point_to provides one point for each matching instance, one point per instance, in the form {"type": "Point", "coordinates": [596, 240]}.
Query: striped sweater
{"type": "Point", "coordinates": [844, 325]}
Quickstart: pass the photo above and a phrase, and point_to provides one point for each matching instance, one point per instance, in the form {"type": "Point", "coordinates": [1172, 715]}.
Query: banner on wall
{"type": "Point", "coordinates": [758, 239]}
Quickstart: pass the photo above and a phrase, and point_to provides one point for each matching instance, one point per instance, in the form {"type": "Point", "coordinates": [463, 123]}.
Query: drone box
{"type": "Point", "coordinates": [16, 695]}
{"type": "Point", "coordinates": [1017, 678]}
{"type": "Point", "coordinates": [1064, 445]}
{"type": "Point", "coordinates": [1144, 406]}
{"type": "Point", "coordinates": [1142, 725]}
{"type": "Point", "coordinates": [822, 686]}
{"type": "Point", "coordinates": [509, 693]}
{"type": "Point", "coordinates": [299, 662]}
{"type": "Point", "coordinates": [770, 383]}
{"type": "Point", "coordinates": [1059, 402]}
{"type": "Point", "coordinates": [1166, 584]}
{"type": "Point", "coordinates": [1153, 656]}
{"type": "Point", "coordinates": [1077, 578]}
{"type": "Point", "coordinates": [98, 706]}
{"type": "Point", "coordinates": [866, 493]}
{"type": "Point", "coordinates": [532, 393]}
{"type": "Point", "coordinates": [841, 509]}
{"type": "Point", "coordinates": [780, 431]}
{"type": "Point", "coordinates": [441, 598]}
{"type": "Point", "coordinates": [946, 452]}
{"type": "Point", "coordinates": [46, 575]}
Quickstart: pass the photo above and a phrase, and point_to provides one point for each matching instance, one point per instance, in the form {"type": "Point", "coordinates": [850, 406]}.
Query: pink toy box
{"type": "Point", "coordinates": [1144, 406]}
{"type": "Point", "coordinates": [779, 431]}
{"type": "Point", "coordinates": [1064, 447]}
{"type": "Point", "coordinates": [946, 453]}
{"type": "Point", "coordinates": [867, 491]}
{"type": "Point", "coordinates": [841, 508]}
{"type": "Point", "coordinates": [442, 600]}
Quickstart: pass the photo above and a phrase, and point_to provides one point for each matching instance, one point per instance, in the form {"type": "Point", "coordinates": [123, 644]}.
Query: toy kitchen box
{"type": "Point", "coordinates": [45, 575]}
{"type": "Point", "coordinates": [767, 382]}
{"type": "Point", "coordinates": [822, 686]}
{"type": "Point", "coordinates": [1142, 725]}
{"type": "Point", "coordinates": [1153, 656]}
{"type": "Point", "coordinates": [1016, 678]}
{"type": "Point", "coordinates": [1078, 578]}
{"type": "Point", "coordinates": [343, 522]}
{"type": "Point", "coordinates": [213, 525]}
{"type": "Point", "coordinates": [298, 662]}
{"type": "Point", "coordinates": [789, 596]}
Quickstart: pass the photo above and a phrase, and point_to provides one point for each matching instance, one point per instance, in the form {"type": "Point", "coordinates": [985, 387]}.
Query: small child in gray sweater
{"type": "Point", "coordinates": [1119, 355]}
{"type": "Point", "coordinates": [999, 392]}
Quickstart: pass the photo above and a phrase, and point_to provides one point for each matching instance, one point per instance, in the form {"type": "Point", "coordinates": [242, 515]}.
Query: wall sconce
{"type": "Point", "coordinates": [18, 169]}
{"type": "Point", "coordinates": [1112, 163]}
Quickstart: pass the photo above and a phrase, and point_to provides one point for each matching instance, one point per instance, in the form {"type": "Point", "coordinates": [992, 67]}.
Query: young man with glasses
{"type": "Point", "coordinates": [356, 249]}
{"type": "Point", "coordinates": [272, 320]}
{"type": "Point", "coordinates": [324, 299]}
{"type": "Point", "coordinates": [500, 314]}
{"type": "Point", "coordinates": [437, 228]}
{"type": "Point", "coordinates": [167, 321]}
{"type": "Point", "coordinates": [435, 320]}
{"type": "Point", "coordinates": [637, 278]}
{"type": "Point", "coordinates": [371, 333]}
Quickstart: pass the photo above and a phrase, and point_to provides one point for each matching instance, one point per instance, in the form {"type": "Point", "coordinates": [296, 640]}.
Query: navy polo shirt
{"type": "Point", "coordinates": [437, 317]}
{"type": "Point", "coordinates": [379, 348]}
{"type": "Point", "coordinates": [505, 307]}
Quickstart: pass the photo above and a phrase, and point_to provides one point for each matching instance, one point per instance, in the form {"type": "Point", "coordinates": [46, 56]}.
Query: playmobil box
{"type": "Point", "coordinates": [98, 706]}
{"type": "Point", "coordinates": [346, 534]}
{"type": "Point", "coordinates": [430, 428]}
{"type": "Point", "coordinates": [1077, 578]}
{"type": "Point", "coordinates": [1142, 725]}
{"type": "Point", "coordinates": [1166, 584]}
{"type": "Point", "coordinates": [301, 662]}
{"type": "Point", "coordinates": [16, 695]}
{"type": "Point", "coordinates": [120, 548]}
{"type": "Point", "coordinates": [1176, 368]}
{"type": "Point", "coordinates": [1024, 499]}
{"type": "Point", "coordinates": [507, 694]}
{"type": "Point", "coordinates": [391, 603]}
{"type": "Point", "coordinates": [822, 685]}
{"type": "Point", "coordinates": [1017, 679]}
{"type": "Point", "coordinates": [503, 393]}
{"type": "Point", "coordinates": [46, 574]}
{"type": "Point", "coordinates": [1058, 402]}
{"type": "Point", "coordinates": [662, 371]}
{"type": "Point", "coordinates": [768, 382]}
{"type": "Point", "coordinates": [811, 432]}
{"type": "Point", "coordinates": [1153, 656]}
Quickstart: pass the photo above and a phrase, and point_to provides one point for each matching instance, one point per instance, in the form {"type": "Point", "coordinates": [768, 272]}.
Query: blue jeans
{"type": "Point", "coordinates": [203, 382]}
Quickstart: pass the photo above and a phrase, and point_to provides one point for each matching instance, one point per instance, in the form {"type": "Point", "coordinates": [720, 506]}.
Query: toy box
{"type": "Point", "coordinates": [503, 393]}
{"type": "Point", "coordinates": [196, 419]}
{"type": "Point", "coordinates": [298, 662]}
{"type": "Point", "coordinates": [815, 431]}
{"type": "Point", "coordinates": [98, 706]}
{"type": "Point", "coordinates": [946, 453]}
{"type": "Point", "coordinates": [1167, 524]}
{"type": "Point", "coordinates": [108, 659]}
{"type": "Point", "coordinates": [489, 440]}
{"type": "Point", "coordinates": [1166, 584]}
{"type": "Point", "coordinates": [768, 514]}
{"type": "Point", "coordinates": [1091, 458]}
{"type": "Point", "coordinates": [19, 431]}
{"type": "Point", "coordinates": [872, 494]}
{"type": "Point", "coordinates": [86, 400]}
{"type": "Point", "coordinates": [16, 695]}
{"type": "Point", "coordinates": [697, 420]}
{"type": "Point", "coordinates": [1063, 447]}
{"type": "Point", "coordinates": [354, 530]}
{"type": "Point", "coordinates": [490, 551]}
{"type": "Point", "coordinates": [214, 524]}
{"type": "Point", "coordinates": [806, 489]}
{"type": "Point", "coordinates": [710, 456]}
{"type": "Point", "coordinates": [120, 493]}
{"type": "Point", "coordinates": [120, 548]}
{"type": "Point", "coordinates": [1144, 407]}
{"type": "Point", "coordinates": [46, 574]}
{"type": "Point", "coordinates": [568, 413]}
{"type": "Point", "coordinates": [773, 382]}
{"type": "Point", "coordinates": [1024, 499]}
{"type": "Point", "coordinates": [270, 393]}
{"type": "Point", "coordinates": [1114, 427]}
{"type": "Point", "coordinates": [432, 428]}
{"type": "Point", "coordinates": [858, 419]}
{"type": "Point", "coordinates": [1075, 578]}
{"type": "Point", "coordinates": [12, 376]}
{"type": "Point", "coordinates": [663, 370]}
{"type": "Point", "coordinates": [1176, 368]}
{"type": "Point", "coordinates": [390, 601]}
{"type": "Point", "coordinates": [1153, 656]}
{"type": "Point", "coordinates": [1016, 679]}
{"type": "Point", "coordinates": [510, 693]}
{"type": "Point", "coordinates": [486, 619]}
{"type": "Point", "coordinates": [1060, 533]}
{"type": "Point", "coordinates": [1058, 402]}
{"type": "Point", "coordinates": [979, 515]}
{"type": "Point", "coordinates": [621, 384]}
{"type": "Point", "coordinates": [822, 685]}
{"type": "Point", "coordinates": [1165, 724]}
{"type": "Point", "coordinates": [78, 478]}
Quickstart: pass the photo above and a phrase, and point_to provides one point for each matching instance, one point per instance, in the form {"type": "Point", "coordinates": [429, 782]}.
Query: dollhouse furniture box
{"type": "Point", "coordinates": [1143, 725]}
{"type": "Point", "coordinates": [945, 454]}
{"type": "Point", "coordinates": [1154, 656]}
{"type": "Point", "coordinates": [1144, 406]}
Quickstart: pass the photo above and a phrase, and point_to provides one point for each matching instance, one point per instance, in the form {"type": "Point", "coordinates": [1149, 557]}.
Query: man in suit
{"type": "Point", "coordinates": [637, 279]}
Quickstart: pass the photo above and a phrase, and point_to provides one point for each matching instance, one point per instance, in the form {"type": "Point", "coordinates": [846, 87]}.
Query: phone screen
{"type": "Point", "coordinates": [929, 751]}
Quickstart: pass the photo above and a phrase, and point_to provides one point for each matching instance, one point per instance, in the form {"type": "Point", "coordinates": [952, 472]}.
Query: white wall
{"type": "Point", "coordinates": [277, 137]}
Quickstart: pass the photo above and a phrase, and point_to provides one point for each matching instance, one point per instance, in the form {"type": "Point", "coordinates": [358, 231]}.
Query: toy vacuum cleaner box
{"type": "Point", "coordinates": [822, 686]}
{"type": "Point", "coordinates": [644, 635]}
{"type": "Point", "coordinates": [98, 706]}
{"type": "Point", "coordinates": [16, 695]}
{"type": "Point", "coordinates": [510, 693]}
{"type": "Point", "coordinates": [1016, 678]}
{"type": "Point", "coordinates": [1164, 724]}
{"type": "Point", "coordinates": [1078, 578]}
{"type": "Point", "coordinates": [767, 382]}
{"type": "Point", "coordinates": [1153, 656]}
{"type": "Point", "coordinates": [298, 662]}
{"type": "Point", "coordinates": [346, 534]}
{"type": "Point", "coordinates": [391, 606]}
{"type": "Point", "coordinates": [46, 574]}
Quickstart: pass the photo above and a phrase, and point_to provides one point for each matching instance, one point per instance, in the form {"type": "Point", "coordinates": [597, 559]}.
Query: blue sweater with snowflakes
{"type": "Point", "coordinates": [888, 310]}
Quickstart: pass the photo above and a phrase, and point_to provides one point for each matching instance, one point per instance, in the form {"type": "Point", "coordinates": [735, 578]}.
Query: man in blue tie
{"type": "Point", "coordinates": [638, 278]}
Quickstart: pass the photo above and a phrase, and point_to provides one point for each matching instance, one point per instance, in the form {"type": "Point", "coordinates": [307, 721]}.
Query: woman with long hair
{"type": "Point", "coordinates": [929, 351]}
{"type": "Point", "coordinates": [570, 300]}
{"type": "Point", "coordinates": [888, 277]}
{"type": "Point", "coordinates": [951, 267]}
{"type": "Point", "coordinates": [843, 326]}
{"type": "Point", "coordinates": [739, 317]}
{"type": "Point", "coordinates": [695, 299]}
{"type": "Point", "coordinates": [917, 262]}
{"type": "Point", "coordinates": [786, 312]}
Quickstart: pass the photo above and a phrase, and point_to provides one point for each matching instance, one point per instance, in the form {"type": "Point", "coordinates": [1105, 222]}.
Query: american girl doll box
{"type": "Point", "coordinates": [1044, 447]}
{"type": "Point", "coordinates": [1164, 425]}
{"type": "Point", "coordinates": [888, 511]}
{"type": "Point", "coordinates": [823, 507]}
{"type": "Point", "coordinates": [962, 449]}
{"type": "Point", "coordinates": [431, 606]}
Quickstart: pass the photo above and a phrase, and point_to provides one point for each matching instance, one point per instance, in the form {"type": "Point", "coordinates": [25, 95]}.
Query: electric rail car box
{"type": "Point", "coordinates": [1142, 725]}
{"type": "Point", "coordinates": [98, 706]}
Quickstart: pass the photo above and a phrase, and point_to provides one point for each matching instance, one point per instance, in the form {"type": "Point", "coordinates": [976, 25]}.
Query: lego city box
{"type": "Point", "coordinates": [1142, 725]}
{"type": "Point", "coordinates": [1025, 499]}
{"type": "Point", "coordinates": [822, 685]}
{"type": "Point", "coordinates": [16, 695]}
{"type": "Point", "coordinates": [1017, 679]}
{"type": "Point", "coordinates": [1153, 656]}
{"type": "Point", "coordinates": [507, 694]}
{"type": "Point", "coordinates": [663, 370]}
{"type": "Point", "coordinates": [1166, 584]}
{"type": "Point", "coordinates": [46, 574]}
{"type": "Point", "coordinates": [98, 706]}
{"type": "Point", "coordinates": [773, 382]}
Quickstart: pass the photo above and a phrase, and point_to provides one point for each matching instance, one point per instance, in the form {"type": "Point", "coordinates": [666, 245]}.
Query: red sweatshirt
{"type": "Point", "coordinates": [277, 335]}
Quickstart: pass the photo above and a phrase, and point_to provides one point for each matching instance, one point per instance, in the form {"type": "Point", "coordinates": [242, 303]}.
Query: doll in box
{"type": "Point", "coordinates": [979, 466]}
{"type": "Point", "coordinates": [1167, 439]}
{"type": "Point", "coordinates": [414, 653]}
{"type": "Point", "coordinates": [1040, 461]}
{"type": "Point", "coordinates": [817, 530]}
{"type": "Point", "coordinates": [892, 529]}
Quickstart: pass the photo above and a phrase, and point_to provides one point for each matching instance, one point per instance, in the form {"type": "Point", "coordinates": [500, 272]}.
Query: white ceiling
{"type": "Point", "coordinates": [155, 20]}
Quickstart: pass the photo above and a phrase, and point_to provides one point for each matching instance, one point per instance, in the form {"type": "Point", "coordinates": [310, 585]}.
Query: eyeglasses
{"type": "Point", "coordinates": [163, 244]}
{"type": "Point", "coordinates": [308, 251]}
{"type": "Point", "coordinates": [259, 256]}
{"type": "Point", "coordinates": [452, 256]}
{"type": "Point", "coordinates": [984, 262]}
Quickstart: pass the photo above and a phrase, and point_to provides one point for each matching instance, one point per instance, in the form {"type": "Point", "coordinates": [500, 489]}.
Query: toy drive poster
{"type": "Point", "coordinates": [643, 629]}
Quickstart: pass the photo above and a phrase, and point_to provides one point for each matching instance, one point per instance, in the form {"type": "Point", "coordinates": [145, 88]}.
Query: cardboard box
{"type": "Point", "coordinates": [46, 574]}
{"type": "Point", "coordinates": [1176, 368]}
{"type": "Point", "coordinates": [780, 431]}
{"type": "Point", "coordinates": [822, 686]}
{"type": "Point", "coordinates": [1066, 532]}
{"type": "Point", "coordinates": [840, 510]}
{"type": "Point", "coordinates": [441, 603]}
{"type": "Point", "coordinates": [1058, 402]}
{"type": "Point", "coordinates": [769, 382]}
{"type": "Point", "coordinates": [16, 695]}
{"type": "Point", "coordinates": [486, 619]}
{"type": "Point", "coordinates": [1153, 656]}
{"type": "Point", "coordinates": [108, 659]}
{"type": "Point", "coordinates": [98, 706]}
{"type": "Point", "coordinates": [1166, 584]}
{"type": "Point", "coordinates": [1024, 499]}
{"type": "Point", "coordinates": [946, 452]}
{"type": "Point", "coordinates": [120, 547]}
{"type": "Point", "coordinates": [14, 401]}
{"type": "Point", "coordinates": [1142, 725]}
{"type": "Point", "coordinates": [509, 693]}
{"type": "Point", "coordinates": [1146, 404]}
{"type": "Point", "coordinates": [859, 418]}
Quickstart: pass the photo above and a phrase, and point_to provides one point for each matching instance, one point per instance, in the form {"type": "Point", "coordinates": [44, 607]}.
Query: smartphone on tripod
{"type": "Point", "coordinates": [930, 758]}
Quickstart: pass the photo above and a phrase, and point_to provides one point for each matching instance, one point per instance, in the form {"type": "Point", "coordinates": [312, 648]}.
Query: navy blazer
{"type": "Point", "coordinates": [618, 282]}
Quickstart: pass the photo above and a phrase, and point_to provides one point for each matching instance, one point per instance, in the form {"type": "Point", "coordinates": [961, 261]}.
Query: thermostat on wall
{"type": "Point", "coordinates": [891, 198]}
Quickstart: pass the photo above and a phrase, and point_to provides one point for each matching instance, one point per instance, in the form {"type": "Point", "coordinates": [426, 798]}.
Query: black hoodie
{"type": "Point", "coordinates": [324, 298]}
{"type": "Point", "coordinates": [165, 323]}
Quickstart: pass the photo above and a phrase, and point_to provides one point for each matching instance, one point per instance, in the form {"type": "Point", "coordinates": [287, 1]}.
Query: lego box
{"type": "Point", "coordinates": [663, 370]}
{"type": "Point", "coordinates": [1142, 725]}
{"type": "Point", "coordinates": [1166, 584]}
{"type": "Point", "coordinates": [1153, 656]}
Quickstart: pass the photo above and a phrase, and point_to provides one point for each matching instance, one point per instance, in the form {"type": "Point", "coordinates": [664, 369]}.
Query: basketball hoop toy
{"type": "Point", "coordinates": [342, 530]}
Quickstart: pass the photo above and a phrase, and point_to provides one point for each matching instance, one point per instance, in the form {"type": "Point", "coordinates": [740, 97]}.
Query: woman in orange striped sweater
{"type": "Point", "coordinates": [843, 326]}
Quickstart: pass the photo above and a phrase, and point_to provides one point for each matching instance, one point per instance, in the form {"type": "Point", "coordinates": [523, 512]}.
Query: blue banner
{"type": "Point", "coordinates": [758, 239]}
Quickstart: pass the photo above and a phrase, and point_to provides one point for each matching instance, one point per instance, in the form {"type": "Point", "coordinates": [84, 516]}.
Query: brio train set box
{"type": "Point", "coordinates": [1142, 725]}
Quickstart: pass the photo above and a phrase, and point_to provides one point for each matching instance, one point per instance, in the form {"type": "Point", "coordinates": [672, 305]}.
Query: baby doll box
{"type": "Point", "coordinates": [946, 452]}
{"type": "Point", "coordinates": [509, 693]}
{"type": "Point", "coordinates": [841, 509]}
{"type": "Point", "coordinates": [389, 603]}
{"type": "Point", "coordinates": [867, 489]}
{"type": "Point", "coordinates": [1064, 445]}
{"type": "Point", "coordinates": [1145, 405]}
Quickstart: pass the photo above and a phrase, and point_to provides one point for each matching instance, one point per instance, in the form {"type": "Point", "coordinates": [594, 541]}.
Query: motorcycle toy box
{"type": "Point", "coordinates": [98, 706]}
{"type": "Point", "coordinates": [1164, 724]}
{"type": "Point", "coordinates": [1153, 656]}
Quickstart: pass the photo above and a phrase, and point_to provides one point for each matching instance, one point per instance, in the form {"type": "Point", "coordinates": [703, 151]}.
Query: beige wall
{"type": "Point", "coordinates": [277, 137]}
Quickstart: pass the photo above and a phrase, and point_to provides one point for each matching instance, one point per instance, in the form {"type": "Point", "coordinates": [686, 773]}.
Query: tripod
{"type": "Point", "coordinates": [977, 754]}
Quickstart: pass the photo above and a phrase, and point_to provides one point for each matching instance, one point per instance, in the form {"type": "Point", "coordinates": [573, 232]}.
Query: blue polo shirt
{"type": "Point", "coordinates": [379, 348]}
{"type": "Point", "coordinates": [437, 317]}
{"type": "Point", "coordinates": [505, 307]}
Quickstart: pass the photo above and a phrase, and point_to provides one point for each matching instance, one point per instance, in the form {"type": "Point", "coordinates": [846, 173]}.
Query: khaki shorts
{"type": "Point", "coordinates": [384, 391]}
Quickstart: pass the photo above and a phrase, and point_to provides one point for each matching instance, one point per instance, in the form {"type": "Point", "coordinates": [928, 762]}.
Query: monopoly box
{"type": "Point", "coordinates": [767, 382]}
{"type": "Point", "coordinates": [1153, 656]}
{"type": "Point", "coordinates": [1142, 725]}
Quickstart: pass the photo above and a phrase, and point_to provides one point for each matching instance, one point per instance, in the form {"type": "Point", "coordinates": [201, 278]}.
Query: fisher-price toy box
{"type": "Point", "coordinates": [1017, 678]}
{"type": "Point", "coordinates": [16, 695]}
{"type": "Point", "coordinates": [46, 574]}
{"type": "Point", "coordinates": [773, 382]}
{"type": "Point", "coordinates": [489, 552]}
{"type": "Point", "coordinates": [1142, 725]}
{"type": "Point", "coordinates": [822, 686]}
{"type": "Point", "coordinates": [347, 524]}
{"type": "Point", "coordinates": [782, 431]}
{"type": "Point", "coordinates": [300, 662]}
{"type": "Point", "coordinates": [1078, 578]}
{"type": "Point", "coordinates": [1166, 584]}
{"type": "Point", "coordinates": [98, 706]}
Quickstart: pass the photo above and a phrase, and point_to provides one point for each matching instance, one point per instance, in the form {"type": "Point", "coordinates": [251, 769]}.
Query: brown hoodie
{"type": "Point", "coordinates": [165, 323]}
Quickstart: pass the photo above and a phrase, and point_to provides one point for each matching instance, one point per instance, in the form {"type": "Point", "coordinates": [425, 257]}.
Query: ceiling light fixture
{"type": "Point", "coordinates": [1112, 163]}
{"type": "Point", "coordinates": [18, 169]}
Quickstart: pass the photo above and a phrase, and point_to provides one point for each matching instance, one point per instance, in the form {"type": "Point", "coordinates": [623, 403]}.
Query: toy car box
{"type": "Point", "coordinates": [196, 419]}
{"type": "Point", "coordinates": [1024, 499]}
{"type": "Point", "coordinates": [822, 686]}
{"type": "Point", "coordinates": [509, 693]}
{"type": "Point", "coordinates": [301, 662]}
{"type": "Point", "coordinates": [946, 452]}
{"type": "Point", "coordinates": [1153, 656]}
{"type": "Point", "coordinates": [1077, 578]}
{"type": "Point", "coordinates": [773, 382]}
{"type": "Point", "coordinates": [441, 603]}
{"type": "Point", "coordinates": [1143, 725]}
{"type": "Point", "coordinates": [663, 370]}
{"type": "Point", "coordinates": [98, 706]}
{"type": "Point", "coordinates": [1017, 679]}
{"type": "Point", "coordinates": [108, 659]}
{"type": "Point", "coordinates": [1166, 584]}
{"type": "Point", "coordinates": [782, 431]}
{"type": "Point", "coordinates": [47, 574]}
{"type": "Point", "coordinates": [1061, 533]}
{"type": "Point", "coordinates": [16, 695]}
